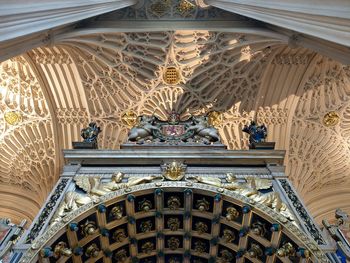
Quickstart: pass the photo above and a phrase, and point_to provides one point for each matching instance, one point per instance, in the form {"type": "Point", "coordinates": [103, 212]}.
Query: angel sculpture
{"type": "Point", "coordinates": [250, 189]}
{"type": "Point", "coordinates": [92, 185]}
{"type": "Point", "coordinates": [71, 201]}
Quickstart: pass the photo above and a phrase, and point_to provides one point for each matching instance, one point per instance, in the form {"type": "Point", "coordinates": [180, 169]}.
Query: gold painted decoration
{"type": "Point", "coordinates": [62, 249]}
{"type": "Point", "coordinates": [174, 202]}
{"type": "Point", "coordinates": [117, 212]}
{"type": "Point", "coordinates": [173, 243]}
{"type": "Point", "coordinates": [286, 250]}
{"type": "Point", "coordinates": [200, 246]}
{"type": "Point", "coordinates": [147, 247]}
{"type": "Point", "coordinates": [173, 223]}
{"type": "Point", "coordinates": [89, 228]}
{"type": "Point", "coordinates": [121, 256]}
{"type": "Point", "coordinates": [92, 251]}
{"type": "Point", "coordinates": [146, 226]}
{"type": "Point", "coordinates": [331, 119]}
{"type": "Point", "coordinates": [202, 205]}
{"type": "Point", "coordinates": [145, 205]}
{"type": "Point", "coordinates": [228, 235]}
{"type": "Point", "coordinates": [201, 227]}
{"type": "Point", "coordinates": [174, 171]}
{"type": "Point", "coordinates": [255, 251]}
{"type": "Point", "coordinates": [231, 213]}
{"type": "Point", "coordinates": [160, 7]}
{"type": "Point", "coordinates": [13, 117]}
{"type": "Point", "coordinates": [215, 118]}
{"type": "Point", "coordinates": [129, 118]}
{"type": "Point", "coordinates": [171, 76]}
{"type": "Point", "coordinates": [185, 7]}
{"type": "Point", "coordinates": [259, 228]}
{"type": "Point", "coordinates": [119, 235]}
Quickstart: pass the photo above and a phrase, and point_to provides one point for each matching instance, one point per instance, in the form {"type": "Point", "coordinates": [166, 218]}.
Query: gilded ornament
{"type": "Point", "coordinates": [173, 243]}
{"type": "Point", "coordinates": [228, 236]}
{"type": "Point", "coordinates": [201, 227]}
{"type": "Point", "coordinates": [121, 256]}
{"type": "Point", "coordinates": [160, 7]}
{"type": "Point", "coordinates": [61, 249]}
{"type": "Point", "coordinates": [146, 226]}
{"type": "Point", "coordinates": [250, 189]}
{"type": "Point", "coordinates": [13, 117]}
{"type": "Point", "coordinates": [129, 118]}
{"type": "Point", "coordinates": [88, 228]}
{"type": "Point", "coordinates": [119, 235]}
{"type": "Point", "coordinates": [117, 212]}
{"type": "Point", "coordinates": [286, 250]}
{"type": "Point", "coordinates": [185, 7]}
{"type": "Point", "coordinates": [258, 228]}
{"type": "Point", "coordinates": [174, 260]}
{"type": "Point", "coordinates": [255, 251]}
{"type": "Point", "coordinates": [215, 118]}
{"type": "Point", "coordinates": [145, 205]}
{"type": "Point", "coordinates": [93, 186]}
{"type": "Point", "coordinates": [147, 247]}
{"type": "Point", "coordinates": [174, 171]}
{"type": "Point", "coordinates": [331, 119]}
{"type": "Point", "coordinates": [200, 246]}
{"type": "Point", "coordinates": [174, 202]}
{"type": "Point", "coordinates": [173, 223]}
{"type": "Point", "coordinates": [202, 205]}
{"type": "Point", "coordinates": [231, 213]}
{"type": "Point", "coordinates": [171, 76]}
{"type": "Point", "coordinates": [92, 251]}
{"type": "Point", "coordinates": [226, 256]}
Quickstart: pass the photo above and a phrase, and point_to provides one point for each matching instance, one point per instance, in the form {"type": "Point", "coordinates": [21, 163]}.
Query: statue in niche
{"type": "Point", "coordinates": [257, 134]}
{"type": "Point", "coordinates": [92, 185]}
{"type": "Point", "coordinates": [250, 189]}
{"type": "Point", "coordinates": [203, 130]}
{"type": "Point", "coordinates": [143, 130]}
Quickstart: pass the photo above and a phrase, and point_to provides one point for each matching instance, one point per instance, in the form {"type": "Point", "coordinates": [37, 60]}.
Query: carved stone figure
{"type": "Point", "coordinates": [203, 130]}
{"type": "Point", "coordinates": [250, 189]}
{"type": "Point", "coordinates": [143, 130]}
{"type": "Point", "coordinates": [256, 133]}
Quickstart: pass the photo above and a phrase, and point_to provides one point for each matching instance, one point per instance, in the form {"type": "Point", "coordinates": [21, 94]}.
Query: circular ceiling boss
{"type": "Point", "coordinates": [13, 117]}
{"type": "Point", "coordinates": [129, 118]}
{"type": "Point", "coordinates": [171, 76]}
{"type": "Point", "coordinates": [331, 119]}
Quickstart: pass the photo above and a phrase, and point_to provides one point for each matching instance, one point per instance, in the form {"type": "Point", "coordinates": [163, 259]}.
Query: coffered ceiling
{"type": "Point", "coordinates": [99, 73]}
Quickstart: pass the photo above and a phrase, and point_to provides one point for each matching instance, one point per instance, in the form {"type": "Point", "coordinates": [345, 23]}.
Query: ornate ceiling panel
{"type": "Point", "coordinates": [27, 146]}
{"type": "Point", "coordinates": [101, 76]}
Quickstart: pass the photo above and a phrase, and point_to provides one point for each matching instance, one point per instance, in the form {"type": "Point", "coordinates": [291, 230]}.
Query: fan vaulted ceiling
{"type": "Point", "coordinates": [98, 73]}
